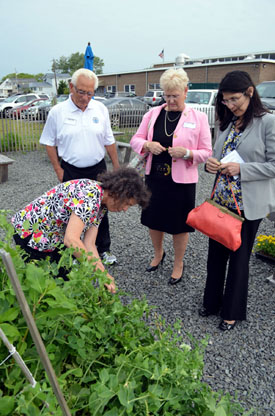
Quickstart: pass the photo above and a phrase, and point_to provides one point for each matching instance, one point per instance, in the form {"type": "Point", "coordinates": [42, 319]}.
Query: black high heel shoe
{"type": "Point", "coordinates": [174, 280]}
{"type": "Point", "coordinates": [225, 326]}
{"type": "Point", "coordinates": [153, 268]}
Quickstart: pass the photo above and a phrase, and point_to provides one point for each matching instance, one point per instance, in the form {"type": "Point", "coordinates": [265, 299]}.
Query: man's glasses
{"type": "Point", "coordinates": [233, 100]}
{"type": "Point", "coordinates": [171, 97]}
{"type": "Point", "coordinates": [81, 92]}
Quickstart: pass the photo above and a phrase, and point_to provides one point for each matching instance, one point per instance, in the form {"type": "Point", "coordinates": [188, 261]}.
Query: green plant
{"type": "Point", "coordinates": [113, 355]}
{"type": "Point", "coordinates": [10, 142]}
{"type": "Point", "coordinates": [265, 244]}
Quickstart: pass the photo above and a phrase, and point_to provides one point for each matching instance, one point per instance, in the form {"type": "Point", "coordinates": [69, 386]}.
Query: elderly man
{"type": "Point", "coordinates": [78, 131]}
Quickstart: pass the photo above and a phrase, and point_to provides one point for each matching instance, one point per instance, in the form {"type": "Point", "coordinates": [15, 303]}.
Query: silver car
{"type": "Point", "coordinates": [153, 97]}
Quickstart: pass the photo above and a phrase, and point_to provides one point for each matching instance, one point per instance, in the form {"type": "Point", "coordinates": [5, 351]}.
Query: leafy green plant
{"type": "Point", "coordinates": [113, 355]}
{"type": "Point", "coordinates": [10, 142]}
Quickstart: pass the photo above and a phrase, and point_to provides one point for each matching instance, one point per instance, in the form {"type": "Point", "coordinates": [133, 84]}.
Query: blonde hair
{"type": "Point", "coordinates": [174, 79]}
{"type": "Point", "coordinates": [86, 73]}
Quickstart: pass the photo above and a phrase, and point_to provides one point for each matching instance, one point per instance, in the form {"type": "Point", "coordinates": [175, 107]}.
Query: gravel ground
{"type": "Point", "coordinates": [240, 361]}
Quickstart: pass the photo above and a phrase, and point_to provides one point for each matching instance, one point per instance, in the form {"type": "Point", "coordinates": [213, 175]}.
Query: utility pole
{"type": "Point", "coordinates": [54, 72]}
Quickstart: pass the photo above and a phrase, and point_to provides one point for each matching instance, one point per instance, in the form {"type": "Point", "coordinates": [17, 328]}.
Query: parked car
{"type": "Point", "coordinates": [19, 112]}
{"type": "Point", "coordinates": [119, 94]}
{"type": "Point", "coordinates": [203, 100]}
{"type": "Point", "coordinates": [153, 97]}
{"type": "Point", "coordinates": [32, 112]}
{"type": "Point", "coordinates": [125, 112]}
{"type": "Point", "coordinates": [16, 101]}
{"type": "Point", "coordinates": [266, 92]}
{"type": "Point", "coordinates": [43, 111]}
{"type": "Point", "coordinates": [99, 98]}
{"type": "Point", "coordinates": [61, 98]}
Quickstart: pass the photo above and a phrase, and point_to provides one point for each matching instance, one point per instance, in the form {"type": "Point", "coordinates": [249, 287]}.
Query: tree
{"type": "Point", "coordinates": [75, 61]}
{"type": "Point", "coordinates": [62, 88]}
{"type": "Point", "coordinates": [38, 77]}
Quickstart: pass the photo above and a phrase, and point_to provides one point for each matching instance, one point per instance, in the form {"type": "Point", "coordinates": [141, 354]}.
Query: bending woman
{"type": "Point", "coordinates": [71, 212]}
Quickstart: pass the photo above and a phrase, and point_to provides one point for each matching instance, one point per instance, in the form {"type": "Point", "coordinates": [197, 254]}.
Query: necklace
{"type": "Point", "coordinates": [165, 121]}
{"type": "Point", "coordinates": [171, 121]}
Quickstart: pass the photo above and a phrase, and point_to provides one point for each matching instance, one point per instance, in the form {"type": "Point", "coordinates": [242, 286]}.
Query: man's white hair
{"type": "Point", "coordinates": [86, 73]}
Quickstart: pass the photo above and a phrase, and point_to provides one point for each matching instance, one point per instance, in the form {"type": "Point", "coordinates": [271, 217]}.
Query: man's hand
{"type": "Point", "coordinates": [60, 174]}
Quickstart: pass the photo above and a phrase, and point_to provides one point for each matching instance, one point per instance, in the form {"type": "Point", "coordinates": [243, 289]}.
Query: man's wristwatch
{"type": "Point", "coordinates": [187, 154]}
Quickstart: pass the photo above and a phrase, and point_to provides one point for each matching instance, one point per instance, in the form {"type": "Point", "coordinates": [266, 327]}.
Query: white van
{"type": "Point", "coordinates": [203, 100]}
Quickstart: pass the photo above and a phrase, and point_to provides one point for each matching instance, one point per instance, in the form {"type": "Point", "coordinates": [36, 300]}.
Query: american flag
{"type": "Point", "coordinates": [161, 55]}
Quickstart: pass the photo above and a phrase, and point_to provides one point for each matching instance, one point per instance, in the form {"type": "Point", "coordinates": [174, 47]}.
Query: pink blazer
{"type": "Point", "coordinates": [192, 132]}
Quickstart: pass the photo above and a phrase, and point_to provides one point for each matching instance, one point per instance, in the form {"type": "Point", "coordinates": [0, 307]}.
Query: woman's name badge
{"type": "Point", "coordinates": [189, 125]}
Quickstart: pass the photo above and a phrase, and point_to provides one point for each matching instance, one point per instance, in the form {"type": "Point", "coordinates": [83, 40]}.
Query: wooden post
{"type": "Point", "coordinates": [34, 331]}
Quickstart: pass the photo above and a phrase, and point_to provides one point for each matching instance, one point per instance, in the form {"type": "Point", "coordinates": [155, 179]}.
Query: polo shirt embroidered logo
{"type": "Point", "coordinates": [95, 120]}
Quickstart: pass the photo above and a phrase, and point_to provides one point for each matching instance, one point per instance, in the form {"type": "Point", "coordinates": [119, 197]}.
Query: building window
{"type": "Point", "coordinates": [129, 88]}
{"type": "Point", "coordinates": [111, 88]}
{"type": "Point", "coordinates": [155, 86]}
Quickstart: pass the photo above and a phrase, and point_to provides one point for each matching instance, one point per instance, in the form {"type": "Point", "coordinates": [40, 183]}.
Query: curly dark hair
{"type": "Point", "coordinates": [238, 81]}
{"type": "Point", "coordinates": [124, 184]}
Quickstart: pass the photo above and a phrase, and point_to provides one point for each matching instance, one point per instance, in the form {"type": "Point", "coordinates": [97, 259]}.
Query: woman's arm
{"type": "Point", "coordinates": [139, 141]}
{"type": "Point", "coordinates": [72, 238]}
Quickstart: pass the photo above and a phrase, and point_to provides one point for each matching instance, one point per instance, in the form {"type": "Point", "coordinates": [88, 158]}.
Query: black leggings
{"type": "Point", "coordinates": [33, 254]}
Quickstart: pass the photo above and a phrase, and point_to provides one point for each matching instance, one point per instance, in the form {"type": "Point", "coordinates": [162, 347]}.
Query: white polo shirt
{"type": "Point", "coordinates": [80, 136]}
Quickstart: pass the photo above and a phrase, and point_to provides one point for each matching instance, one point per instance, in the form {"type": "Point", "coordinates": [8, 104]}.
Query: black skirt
{"type": "Point", "coordinates": [169, 205]}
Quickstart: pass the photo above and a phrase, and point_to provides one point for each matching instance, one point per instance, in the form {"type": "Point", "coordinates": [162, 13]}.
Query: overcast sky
{"type": "Point", "coordinates": [129, 35]}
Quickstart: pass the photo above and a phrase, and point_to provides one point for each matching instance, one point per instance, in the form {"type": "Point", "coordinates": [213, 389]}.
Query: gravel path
{"type": "Point", "coordinates": [239, 361]}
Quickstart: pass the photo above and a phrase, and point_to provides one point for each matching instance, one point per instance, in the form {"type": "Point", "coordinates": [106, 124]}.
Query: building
{"type": "Point", "coordinates": [48, 86]}
{"type": "Point", "coordinates": [202, 72]}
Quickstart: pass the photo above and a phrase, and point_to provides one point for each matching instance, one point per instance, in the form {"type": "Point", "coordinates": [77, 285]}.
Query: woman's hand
{"type": "Point", "coordinates": [154, 147]}
{"type": "Point", "coordinates": [111, 287]}
{"type": "Point", "coordinates": [212, 165]}
{"type": "Point", "coordinates": [177, 151]}
{"type": "Point", "coordinates": [230, 168]}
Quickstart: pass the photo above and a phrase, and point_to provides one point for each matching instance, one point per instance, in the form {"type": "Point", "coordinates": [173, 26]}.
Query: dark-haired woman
{"type": "Point", "coordinates": [247, 134]}
{"type": "Point", "coordinates": [74, 209]}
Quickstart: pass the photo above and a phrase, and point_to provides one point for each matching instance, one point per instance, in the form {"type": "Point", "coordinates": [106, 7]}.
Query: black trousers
{"type": "Point", "coordinates": [103, 241]}
{"type": "Point", "coordinates": [230, 297]}
{"type": "Point", "coordinates": [33, 254]}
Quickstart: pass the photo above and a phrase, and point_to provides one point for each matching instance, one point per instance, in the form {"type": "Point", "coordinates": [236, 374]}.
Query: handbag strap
{"type": "Point", "coordinates": [236, 203]}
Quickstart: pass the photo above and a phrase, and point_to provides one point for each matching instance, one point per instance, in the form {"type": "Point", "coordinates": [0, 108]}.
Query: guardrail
{"type": "Point", "coordinates": [22, 131]}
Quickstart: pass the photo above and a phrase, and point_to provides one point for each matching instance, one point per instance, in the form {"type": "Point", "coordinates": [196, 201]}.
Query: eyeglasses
{"type": "Point", "coordinates": [171, 97]}
{"type": "Point", "coordinates": [233, 100]}
{"type": "Point", "coordinates": [81, 92]}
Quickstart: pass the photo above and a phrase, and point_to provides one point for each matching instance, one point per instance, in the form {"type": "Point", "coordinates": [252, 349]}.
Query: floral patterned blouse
{"type": "Point", "coordinates": [45, 219]}
{"type": "Point", "coordinates": [223, 195]}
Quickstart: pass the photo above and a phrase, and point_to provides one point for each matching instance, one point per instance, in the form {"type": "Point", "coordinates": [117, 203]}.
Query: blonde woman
{"type": "Point", "coordinates": [177, 139]}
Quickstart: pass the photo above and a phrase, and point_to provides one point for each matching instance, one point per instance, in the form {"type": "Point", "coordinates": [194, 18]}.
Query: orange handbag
{"type": "Point", "coordinates": [217, 222]}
